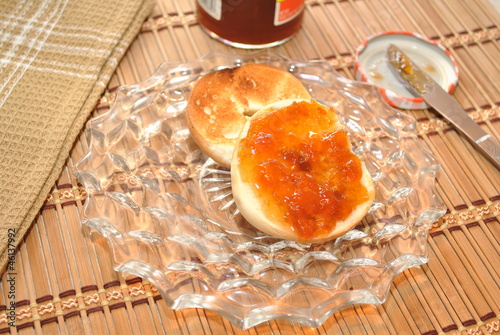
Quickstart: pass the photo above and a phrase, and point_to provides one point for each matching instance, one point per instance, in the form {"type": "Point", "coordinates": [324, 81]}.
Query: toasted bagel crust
{"type": "Point", "coordinates": [253, 209]}
{"type": "Point", "coordinates": [222, 100]}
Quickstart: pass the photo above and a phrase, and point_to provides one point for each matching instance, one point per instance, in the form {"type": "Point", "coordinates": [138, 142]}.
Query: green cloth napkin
{"type": "Point", "coordinates": [56, 58]}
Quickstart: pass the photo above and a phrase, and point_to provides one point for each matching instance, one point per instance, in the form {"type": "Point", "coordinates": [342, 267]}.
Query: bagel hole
{"type": "Point", "coordinates": [249, 112]}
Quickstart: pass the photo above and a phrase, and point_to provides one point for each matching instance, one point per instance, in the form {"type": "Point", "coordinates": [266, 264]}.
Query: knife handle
{"type": "Point", "coordinates": [491, 148]}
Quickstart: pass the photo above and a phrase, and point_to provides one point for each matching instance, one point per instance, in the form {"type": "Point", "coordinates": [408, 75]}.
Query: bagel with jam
{"type": "Point", "coordinates": [294, 175]}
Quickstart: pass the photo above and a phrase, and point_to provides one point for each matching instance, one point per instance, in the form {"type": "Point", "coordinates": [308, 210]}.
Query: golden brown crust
{"type": "Point", "coordinates": [222, 100]}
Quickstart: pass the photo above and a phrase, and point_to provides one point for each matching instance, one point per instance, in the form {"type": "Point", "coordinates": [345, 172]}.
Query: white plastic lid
{"type": "Point", "coordinates": [372, 66]}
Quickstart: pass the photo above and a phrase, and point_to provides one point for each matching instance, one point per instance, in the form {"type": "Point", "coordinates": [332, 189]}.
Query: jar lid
{"type": "Point", "coordinates": [372, 66]}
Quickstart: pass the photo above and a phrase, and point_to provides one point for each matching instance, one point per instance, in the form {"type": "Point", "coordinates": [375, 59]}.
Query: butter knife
{"type": "Point", "coordinates": [421, 84]}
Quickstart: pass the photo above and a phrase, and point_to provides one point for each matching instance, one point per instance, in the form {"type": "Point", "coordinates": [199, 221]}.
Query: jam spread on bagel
{"type": "Point", "coordinates": [299, 162]}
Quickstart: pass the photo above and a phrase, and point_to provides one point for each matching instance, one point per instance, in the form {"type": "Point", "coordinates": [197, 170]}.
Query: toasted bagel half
{"type": "Point", "coordinates": [221, 102]}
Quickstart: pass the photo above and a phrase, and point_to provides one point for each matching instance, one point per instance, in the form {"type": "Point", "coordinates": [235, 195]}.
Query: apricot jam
{"type": "Point", "coordinates": [250, 23]}
{"type": "Point", "coordinates": [301, 165]}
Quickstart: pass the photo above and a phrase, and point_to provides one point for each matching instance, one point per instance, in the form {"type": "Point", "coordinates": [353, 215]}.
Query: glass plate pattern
{"type": "Point", "coordinates": [168, 215]}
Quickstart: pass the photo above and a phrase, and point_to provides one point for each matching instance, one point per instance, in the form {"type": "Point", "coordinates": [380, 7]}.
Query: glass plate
{"type": "Point", "coordinates": [168, 215]}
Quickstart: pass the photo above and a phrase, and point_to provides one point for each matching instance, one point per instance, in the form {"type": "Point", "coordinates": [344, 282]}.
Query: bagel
{"type": "Point", "coordinates": [294, 175]}
{"type": "Point", "coordinates": [221, 101]}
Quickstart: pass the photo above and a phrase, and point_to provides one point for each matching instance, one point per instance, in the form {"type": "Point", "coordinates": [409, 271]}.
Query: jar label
{"type": "Point", "coordinates": [212, 7]}
{"type": "Point", "coordinates": [287, 10]}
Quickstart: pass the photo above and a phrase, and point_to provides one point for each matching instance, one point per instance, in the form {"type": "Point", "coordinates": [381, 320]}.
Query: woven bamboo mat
{"type": "Point", "coordinates": [64, 281]}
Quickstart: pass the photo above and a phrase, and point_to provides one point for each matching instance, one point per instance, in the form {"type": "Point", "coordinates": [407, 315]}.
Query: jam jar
{"type": "Point", "coordinates": [250, 23]}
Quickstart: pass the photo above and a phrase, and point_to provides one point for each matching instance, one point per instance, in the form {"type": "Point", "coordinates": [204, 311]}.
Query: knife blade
{"type": "Point", "coordinates": [421, 84]}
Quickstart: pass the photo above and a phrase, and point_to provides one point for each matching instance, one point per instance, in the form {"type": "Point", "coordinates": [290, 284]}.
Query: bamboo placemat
{"type": "Point", "coordinates": [64, 281]}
